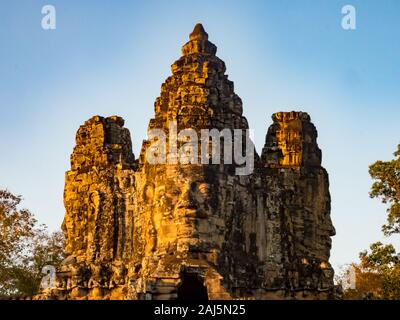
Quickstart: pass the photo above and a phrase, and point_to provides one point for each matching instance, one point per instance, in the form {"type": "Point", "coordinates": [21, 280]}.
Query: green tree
{"type": "Point", "coordinates": [25, 248]}
{"type": "Point", "coordinates": [378, 272]}
{"type": "Point", "coordinates": [386, 186]}
{"type": "Point", "coordinates": [384, 261]}
{"type": "Point", "coordinates": [368, 283]}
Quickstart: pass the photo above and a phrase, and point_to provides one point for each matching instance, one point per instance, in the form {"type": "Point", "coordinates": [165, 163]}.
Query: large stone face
{"type": "Point", "coordinates": [185, 229]}
{"type": "Point", "coordinates": [293, 173]}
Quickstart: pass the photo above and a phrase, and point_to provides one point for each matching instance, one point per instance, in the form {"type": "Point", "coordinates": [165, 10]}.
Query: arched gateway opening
{"type": "Point", "coordinates": [192, 288]}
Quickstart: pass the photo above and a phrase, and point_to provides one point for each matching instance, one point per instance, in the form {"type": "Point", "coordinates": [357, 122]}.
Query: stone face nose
{"type": "Point", "coordinates": [198, 33]}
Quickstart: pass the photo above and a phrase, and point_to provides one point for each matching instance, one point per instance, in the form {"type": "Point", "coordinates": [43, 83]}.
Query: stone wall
{"type": "Point", "coordinates": [136, 230]}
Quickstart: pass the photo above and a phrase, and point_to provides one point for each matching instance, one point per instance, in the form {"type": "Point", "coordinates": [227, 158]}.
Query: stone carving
{"type": "Point", "coordinates": [136, 230]}
{"type": "Point", "coordinates": [305, 198]}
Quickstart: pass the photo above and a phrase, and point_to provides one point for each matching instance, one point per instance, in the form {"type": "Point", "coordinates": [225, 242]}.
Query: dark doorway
{"type": "Point", "coordinates": [192, 288]}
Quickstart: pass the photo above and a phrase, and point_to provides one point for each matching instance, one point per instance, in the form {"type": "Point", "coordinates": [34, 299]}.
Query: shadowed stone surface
{"type": "Point", "coordinates": [136, 230]}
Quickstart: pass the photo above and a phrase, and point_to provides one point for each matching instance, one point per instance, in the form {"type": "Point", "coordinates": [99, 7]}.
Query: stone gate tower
{"type": "Point", "coordinates": [186, 230]}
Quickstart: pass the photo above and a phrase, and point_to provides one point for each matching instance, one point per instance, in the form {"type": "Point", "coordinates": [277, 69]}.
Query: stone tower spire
{"type": "Point", "coordinates": [198, 33]}
{"type": "Point", "coordinates": [198, 86]}
{"type": "Point", "coordinates": [198, 42]}
{"type": "Point", "coordinates": [198, 94]}
{"type": "Point", "coordinates": [139, 230]}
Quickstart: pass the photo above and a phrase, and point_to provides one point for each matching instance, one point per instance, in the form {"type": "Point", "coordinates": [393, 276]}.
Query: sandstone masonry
{"type": "Point", "coordinates": [172, 231]}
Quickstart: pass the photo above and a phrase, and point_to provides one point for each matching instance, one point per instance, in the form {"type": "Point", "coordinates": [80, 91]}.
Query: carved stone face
{"type": "Point", "coordinates": [318, 199]}
{"type": "Point", "coordinates": [311, 220]}
{"type": "Point", "coordinates": [191, 194]}
{"type": "Point", "coordinates": [326, 231]}
{"type": "Point", "coordinates": [162, 218]}
{"type": "Point", "coordinates": [179, 204]}
{"type": "Point", "coordinates": [289, 140]}
{"type": "Point", "coordinates": [192, 199]}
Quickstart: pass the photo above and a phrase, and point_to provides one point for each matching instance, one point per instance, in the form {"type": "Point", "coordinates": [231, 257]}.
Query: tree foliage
{"type": "Point", "coordinates": [377, 274]}
{"type": "Point", "coordinates": [386, 186]}
{"type": "Point", "coordinates": [25, 248]}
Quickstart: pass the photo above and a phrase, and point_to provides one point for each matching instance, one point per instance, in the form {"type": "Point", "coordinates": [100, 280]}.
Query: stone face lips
{"type": "Point", "coordinates": [136, 230]}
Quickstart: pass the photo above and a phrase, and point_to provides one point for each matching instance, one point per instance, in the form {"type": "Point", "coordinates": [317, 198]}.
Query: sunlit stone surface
{"type": "Point", "coordinates": [136, 230]}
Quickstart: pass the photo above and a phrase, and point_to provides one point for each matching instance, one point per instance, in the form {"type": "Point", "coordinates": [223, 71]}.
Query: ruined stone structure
{"type": "Point", "coordinates": [137, 230]}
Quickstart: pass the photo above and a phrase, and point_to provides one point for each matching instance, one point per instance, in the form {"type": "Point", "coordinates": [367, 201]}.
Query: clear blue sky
{"type": "Point", "coordinates": [110, 57]}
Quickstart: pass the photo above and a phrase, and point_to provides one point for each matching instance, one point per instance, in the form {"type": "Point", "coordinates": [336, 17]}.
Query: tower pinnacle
{"type": "Point", "coordinates": [199, 33]}
{"type": "Point", "coordinates": [198, 42]}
